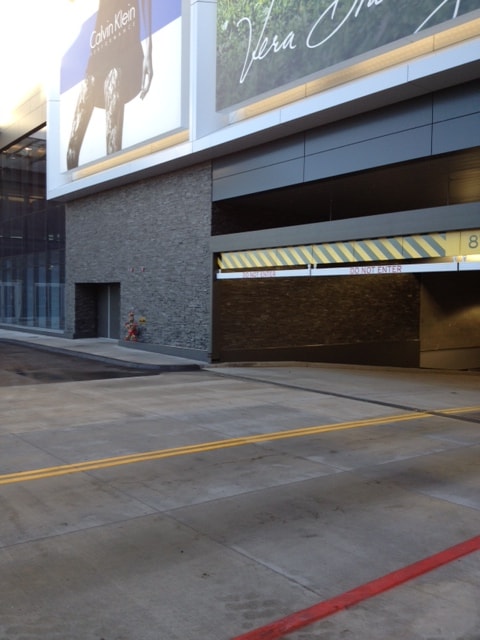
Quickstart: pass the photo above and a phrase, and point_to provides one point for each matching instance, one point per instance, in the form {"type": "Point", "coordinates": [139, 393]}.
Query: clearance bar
{"type": "Point", "coordinates": [354, 270]}
{"type": "Point", "coordinates": [459, 246]}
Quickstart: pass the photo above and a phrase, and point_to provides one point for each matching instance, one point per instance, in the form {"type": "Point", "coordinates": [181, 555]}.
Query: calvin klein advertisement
{"type": "Point", "coordinates": [263, 45]}
{"type": "Point", "coordinates": [121, 77]}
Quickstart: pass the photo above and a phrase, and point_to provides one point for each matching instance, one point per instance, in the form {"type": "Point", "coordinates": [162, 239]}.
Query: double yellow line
{"type": "Point", "coordinates": [105, 463]}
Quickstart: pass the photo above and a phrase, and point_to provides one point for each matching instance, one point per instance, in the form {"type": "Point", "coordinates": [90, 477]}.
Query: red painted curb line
{"type": "Point", "coordinates": [305, 617]}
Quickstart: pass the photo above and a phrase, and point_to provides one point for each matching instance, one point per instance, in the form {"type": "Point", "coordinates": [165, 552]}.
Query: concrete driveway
{"type": "Point", "coordinates": [214, 503]}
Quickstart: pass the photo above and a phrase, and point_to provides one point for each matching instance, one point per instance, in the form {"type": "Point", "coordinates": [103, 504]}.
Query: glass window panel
{"type": "Point", "coordinates": [32, 239]}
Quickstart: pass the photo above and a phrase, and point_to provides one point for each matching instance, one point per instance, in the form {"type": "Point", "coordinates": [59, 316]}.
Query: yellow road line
{"type": "Point", "coordinates": [455, 410]}
{"type": "Point", "coordinates": [104, 463]}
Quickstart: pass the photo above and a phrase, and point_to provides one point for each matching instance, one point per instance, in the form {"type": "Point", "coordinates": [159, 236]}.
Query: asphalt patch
{"type": "Point", "coordinates": [24, 364]}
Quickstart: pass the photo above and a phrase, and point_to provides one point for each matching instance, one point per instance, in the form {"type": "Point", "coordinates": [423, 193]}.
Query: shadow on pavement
{"type": "Point", "coordinates": [25, 364]}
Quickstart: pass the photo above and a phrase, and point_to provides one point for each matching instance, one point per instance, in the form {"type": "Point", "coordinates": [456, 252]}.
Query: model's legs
{"type": "Point", "coordinates": [114, 108]}
{"type": "Point", "coordinates": [81, 118]}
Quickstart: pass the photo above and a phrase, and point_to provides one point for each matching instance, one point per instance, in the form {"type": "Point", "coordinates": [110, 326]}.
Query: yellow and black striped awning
{"type": "Point", "coordinates": [432, 245]}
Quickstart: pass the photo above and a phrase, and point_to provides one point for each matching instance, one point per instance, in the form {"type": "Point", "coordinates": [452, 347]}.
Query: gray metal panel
{"type": "Point", "coordinates": [460, 133]}
{"type": "Point", "coordinates": [399, 147]}
{"type": "Point", "coordinates": [395, 134]}
{"type": "Point", "coordinates": [414, 114]}
{"type": "Point", "coordinates": [435, 219]}
{"type": "Point", "coordinates": [262, 179]}
{"type": "Point", "coordinates": [262, 156]}
{"type": "Point", "coordinates": [459, 101]}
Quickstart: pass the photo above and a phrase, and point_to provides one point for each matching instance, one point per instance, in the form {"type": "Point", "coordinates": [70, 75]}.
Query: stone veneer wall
{"type": "Point", "coordinates": [152, 238]}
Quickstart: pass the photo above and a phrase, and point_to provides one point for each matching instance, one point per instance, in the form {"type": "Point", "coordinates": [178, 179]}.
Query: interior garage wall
{"type": "Point", "coordinates": [361, 319]}
{"type": "Point", "coordinates": [152, 238]}
{"type": "Point", "coordinates": [450, 320]}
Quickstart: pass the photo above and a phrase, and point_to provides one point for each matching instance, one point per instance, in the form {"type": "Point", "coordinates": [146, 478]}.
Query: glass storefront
{"type": "Point", "coordinates": [32, 240]}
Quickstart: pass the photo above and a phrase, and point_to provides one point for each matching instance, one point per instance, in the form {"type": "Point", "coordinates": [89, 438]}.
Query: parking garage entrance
{"type": "Point", "coordinates": [424, 314]}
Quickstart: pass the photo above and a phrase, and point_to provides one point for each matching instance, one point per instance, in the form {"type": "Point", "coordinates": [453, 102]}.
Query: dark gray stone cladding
{"type": "Point", "coordinates": [151, 238]}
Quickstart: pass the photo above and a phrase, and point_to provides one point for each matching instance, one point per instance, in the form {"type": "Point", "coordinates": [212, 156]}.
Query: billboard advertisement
{"type": "Point", "coordinates": [121, 77]}
{"type": "Point", "coordinates": [263, 45]}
